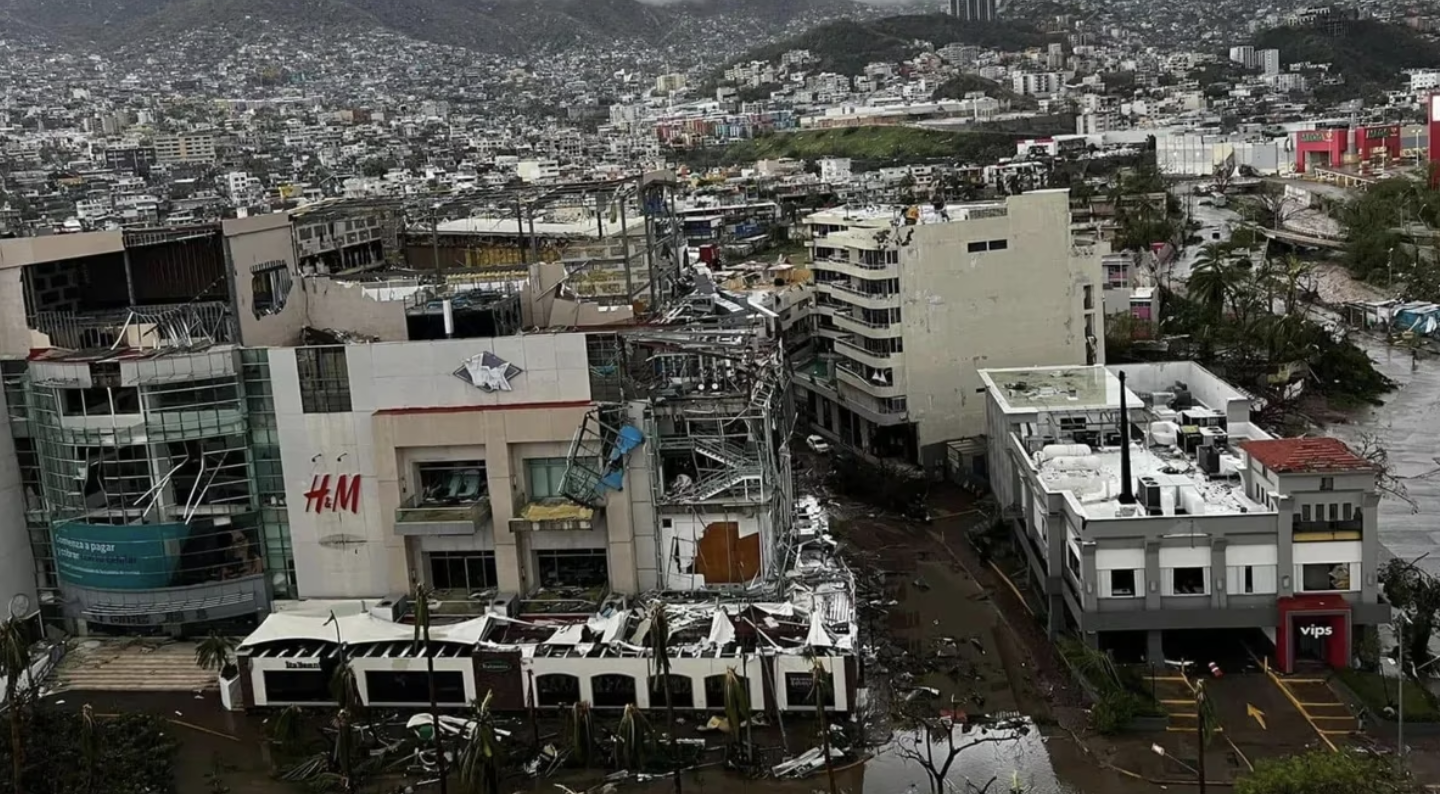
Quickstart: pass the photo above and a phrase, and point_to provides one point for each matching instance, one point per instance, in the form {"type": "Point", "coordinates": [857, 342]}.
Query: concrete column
{"type": "Point", "coordinates": [1155, 647]}
{"type": "Point", "coordinates": [1219, 597]}
{"type": "Point", "coordinates": [1370, 550]}
{"type": "Point", "coordinates": [510, 564]}
{"type": "Point", "coordinates": [1152, 575]}
{"type": "Point", "coordinates": [1091, 577]}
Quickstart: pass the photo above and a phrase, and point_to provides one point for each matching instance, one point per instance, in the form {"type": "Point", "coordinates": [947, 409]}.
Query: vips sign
{"type": "Point", "coordinates": [110, 557]}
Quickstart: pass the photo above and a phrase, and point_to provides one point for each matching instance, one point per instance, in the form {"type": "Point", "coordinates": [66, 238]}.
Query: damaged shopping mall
{"type": "Point", "coordinates": [770, 636]}
{"type": "Point", "coordinates": [218, 427]}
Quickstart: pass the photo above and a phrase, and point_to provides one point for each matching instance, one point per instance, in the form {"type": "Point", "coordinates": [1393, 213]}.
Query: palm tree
{"type": "Point", "coordinates": [737, 708]}
{"type": "Point", "coordinates": [1212, 280]}
{"type": "Point", "coordinates": [480, 757]}
{"type": "Point", "coordinates": [89, 747]}
{"type": "Point", "coordinates": [633, 739]}
{"type": "Point", "coordinates": [421, 598]}
{"type": "Point", "coordinates": [216, 653]}
{"type": "Point", "coordinates": [347, 697]}
{"type": "Point", "coordinates": [15, 662]}
{"type": "Point", "coordinates": [582, 732]}
{"type": "Point", "coordinates": [819, 688]}
{"type": "Point", "coordinates": [660, 655]}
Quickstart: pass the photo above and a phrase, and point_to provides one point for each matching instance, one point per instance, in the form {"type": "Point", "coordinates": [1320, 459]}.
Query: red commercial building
{"type": "Point", "coordinates": [1434, 124]}
{"type": "Point", "coordinates": [1376, 143]}
{"type": "Point", "coordinates": [1322, 148]}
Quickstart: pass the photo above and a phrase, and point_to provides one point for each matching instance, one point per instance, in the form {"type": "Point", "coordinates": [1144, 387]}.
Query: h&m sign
{"type": "Point", "coordinates": [1317, 631]}
{"type": "Point", "coordinates": [344, 496]}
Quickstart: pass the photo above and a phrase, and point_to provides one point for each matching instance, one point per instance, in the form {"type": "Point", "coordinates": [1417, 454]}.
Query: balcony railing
{"type": "Point", "coordinates": [874, 300]}
{"type": "Point", "coordinates": [852, 377]}
{"type": "Point", "coordinates": [419, 517]}
{"type": "Point", "coordinates": [551, 513]}
{"type": "Point", "coordinates": [1324, 530]}
{"type": "Point", "coordinates": [864, 355]}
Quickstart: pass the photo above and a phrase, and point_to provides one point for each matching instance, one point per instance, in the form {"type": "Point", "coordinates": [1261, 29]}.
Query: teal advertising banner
{"type": "Point", "coordinates": [110, 557]}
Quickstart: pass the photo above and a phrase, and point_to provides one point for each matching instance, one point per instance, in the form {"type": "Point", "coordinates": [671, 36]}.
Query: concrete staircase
{"type": "Point", "coordinates": [131, 666]}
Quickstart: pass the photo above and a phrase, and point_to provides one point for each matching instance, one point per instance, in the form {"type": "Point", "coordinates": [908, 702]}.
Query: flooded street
{"type": "Point", "coordinates": [1406, 426]}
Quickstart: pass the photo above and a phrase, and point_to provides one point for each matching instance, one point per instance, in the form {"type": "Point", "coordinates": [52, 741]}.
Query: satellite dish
{"type": "Point", "coordinates": [19, 605]}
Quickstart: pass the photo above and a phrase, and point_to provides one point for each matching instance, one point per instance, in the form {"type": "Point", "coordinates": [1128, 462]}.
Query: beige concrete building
{"type": "Point", "coordinates": [911, 305]}
{"type": "Point", "coordinates": [185, 147]}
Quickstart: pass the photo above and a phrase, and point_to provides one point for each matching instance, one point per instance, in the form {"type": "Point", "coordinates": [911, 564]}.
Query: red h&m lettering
{"type": "Point", "coordinates": [346, 495]}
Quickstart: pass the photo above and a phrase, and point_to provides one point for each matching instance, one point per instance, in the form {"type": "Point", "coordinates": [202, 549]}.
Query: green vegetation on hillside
{"type": "Point", "coordinates": [872, 146]}
{"type": "Point", "coordinates": [1368, 53]}
{"type": "Point", "coordinates": [1390, 230]}
{"type": "Point", "coordinates": [847, 46]}
{"type": "Point", "coordinates": [960, 85]}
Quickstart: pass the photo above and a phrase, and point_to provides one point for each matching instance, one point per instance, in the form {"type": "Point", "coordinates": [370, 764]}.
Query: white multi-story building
{"type": "Point", "coordinates": [1268, 61]}
{"type": "Point", "coordinates": [1151, 511]}
{"type": "Point", "coordinates": [911, 305]}
{"type": "Point", "coordinates": [1037, 83]}
{"type": "Point", "coordinates": [1243, 55]}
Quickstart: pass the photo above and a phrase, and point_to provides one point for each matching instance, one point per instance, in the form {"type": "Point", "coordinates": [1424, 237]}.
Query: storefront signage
{"type": "Point", "coordinates": [1381, 133]}
{"type": "Point", "coordinates": [488, 372]}
{"type": "Point", "coordinates": [118, 557]}
{"type": "Point", "coordinates": [344, 497]}
{"type": "Point", "coordinates": [1315, 136]}
{"type": "Point", "coordinates": [496, 666]}
{"type": "Point", "coordinates": [291, 664]}
{"type": "Point", "coordinates": [1317, 631]}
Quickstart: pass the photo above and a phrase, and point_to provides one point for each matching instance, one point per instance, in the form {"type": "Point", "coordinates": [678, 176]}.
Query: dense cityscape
{"type": "Point", "coordinates": [631, 395]}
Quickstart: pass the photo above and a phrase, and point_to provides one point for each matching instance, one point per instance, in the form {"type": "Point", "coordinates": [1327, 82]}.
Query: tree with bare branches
{"type": "Point", "coordinates": [938, 741]}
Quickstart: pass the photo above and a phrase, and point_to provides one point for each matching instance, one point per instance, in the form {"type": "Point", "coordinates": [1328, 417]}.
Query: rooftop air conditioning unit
{"type": "Point", "coordinates": [505, 605]}
{"type": "Point", "coordinates": [391, 608]}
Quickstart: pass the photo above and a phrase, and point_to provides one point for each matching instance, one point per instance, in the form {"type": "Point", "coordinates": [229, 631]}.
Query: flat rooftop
{"type": "Point", "coordinates": [1185, 489]}
{"type": "Point", "coordinates": [1056, 388]}
{"type": "Point", "coordinates": [927, 213]}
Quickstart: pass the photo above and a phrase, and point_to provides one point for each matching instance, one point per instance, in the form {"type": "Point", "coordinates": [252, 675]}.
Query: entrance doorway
{"type": "Point", "coordinates": [1313, 628]}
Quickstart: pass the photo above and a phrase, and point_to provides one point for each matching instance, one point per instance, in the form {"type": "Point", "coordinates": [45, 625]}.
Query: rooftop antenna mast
{"type": "Point", "coordinates": [1127, 488]}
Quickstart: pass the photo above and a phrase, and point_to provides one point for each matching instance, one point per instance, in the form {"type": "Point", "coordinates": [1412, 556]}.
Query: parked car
{"type": "Point", "coordinates": [817, 444]}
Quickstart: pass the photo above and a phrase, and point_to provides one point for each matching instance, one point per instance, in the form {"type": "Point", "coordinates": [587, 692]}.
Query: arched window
{"type": "Point", "coordinates": [682, 691]}
{"type": "Point", "coordinates": [556, 689]}
{"type": "Point", "coordinates": [715, 692]}
{"type": "Point", "coordinates": [612, 690]}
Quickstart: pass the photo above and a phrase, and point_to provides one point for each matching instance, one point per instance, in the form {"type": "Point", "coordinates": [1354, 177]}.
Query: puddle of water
{"type": "Point", "coordinates": [1018, 761]}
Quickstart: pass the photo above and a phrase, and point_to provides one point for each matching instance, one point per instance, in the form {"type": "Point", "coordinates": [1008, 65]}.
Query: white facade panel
{"type": "Point", "coordinates": [1119, 559]}
{"type": "Point", "coordinates": [1334, 552]}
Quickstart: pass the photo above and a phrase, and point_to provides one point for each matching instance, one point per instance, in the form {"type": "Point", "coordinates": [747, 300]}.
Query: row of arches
{"type": "Point", "coordinates": [618, 690]}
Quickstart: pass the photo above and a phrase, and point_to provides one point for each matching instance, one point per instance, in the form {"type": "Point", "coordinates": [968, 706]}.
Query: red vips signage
{"type": "Point", "coordinates": [343, 497]}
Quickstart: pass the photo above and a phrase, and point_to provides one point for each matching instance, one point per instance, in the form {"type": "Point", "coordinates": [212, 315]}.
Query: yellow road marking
{"type": "Point", "coordinates": [1303, 713]}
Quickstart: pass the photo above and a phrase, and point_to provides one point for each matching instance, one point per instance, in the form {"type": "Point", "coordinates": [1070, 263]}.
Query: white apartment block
{"type": "Point", "coordinates": [910, 306]}
{"type": "Point", "coordinates": [1037, 83]}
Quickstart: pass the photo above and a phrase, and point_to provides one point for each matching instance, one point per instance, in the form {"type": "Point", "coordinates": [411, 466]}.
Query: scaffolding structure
{"type": "Point", "coordinates": [705, 390]}
{"type": "Point", "coordinates": [620, 239]}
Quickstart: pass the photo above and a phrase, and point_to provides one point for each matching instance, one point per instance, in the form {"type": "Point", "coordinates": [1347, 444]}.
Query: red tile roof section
{"type": "Point", "coordinates": [1306, 455]}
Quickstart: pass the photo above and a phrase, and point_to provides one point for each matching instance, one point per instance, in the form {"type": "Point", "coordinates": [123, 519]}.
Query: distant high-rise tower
{"type": "Point", "coordinates": [975, 10]}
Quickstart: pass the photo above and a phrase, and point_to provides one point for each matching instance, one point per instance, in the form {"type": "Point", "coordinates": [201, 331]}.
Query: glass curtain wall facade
{"type": "Point", "coordinates": [157, 497]}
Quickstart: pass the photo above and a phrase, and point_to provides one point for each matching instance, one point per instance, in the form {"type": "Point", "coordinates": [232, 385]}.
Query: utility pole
{"type": "Point", "coordinates": [1400, 707]}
